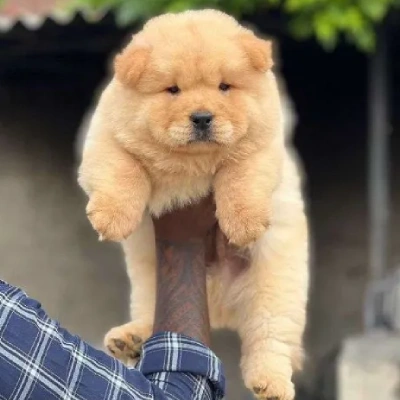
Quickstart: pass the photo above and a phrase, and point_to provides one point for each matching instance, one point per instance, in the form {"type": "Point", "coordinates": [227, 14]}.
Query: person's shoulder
{"type": "Point", "coordinates": [6, 288]}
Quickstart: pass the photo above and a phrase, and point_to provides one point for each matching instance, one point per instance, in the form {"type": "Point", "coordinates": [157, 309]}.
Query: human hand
{"type": "Point", "coordinates": [187, 240]}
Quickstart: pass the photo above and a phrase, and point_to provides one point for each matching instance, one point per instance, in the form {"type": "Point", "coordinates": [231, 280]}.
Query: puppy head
{"type": "Point", "coordinates": [197, 80]}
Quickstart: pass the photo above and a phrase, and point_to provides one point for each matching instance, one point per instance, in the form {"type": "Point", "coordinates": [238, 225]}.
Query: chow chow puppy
{"type": "Point", "coordinates": [194, 108]}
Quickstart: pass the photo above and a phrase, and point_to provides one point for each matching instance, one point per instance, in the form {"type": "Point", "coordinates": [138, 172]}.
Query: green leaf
{"type": "Point", "coordinates": [128, 12]}
{"type": "Point", "coordinates": [301, 5]}
{"type": "Point", "coordinates": [177, 6]}
{"type": "Point", "coordinates": [366, 40]}
{"type": "Point", "coordinates": [325, 26]}
{"type": "Point", "coordinates": [374, 9]}
{"type": "Point", "coordinates": [274, 3]}
{"type": "Point", "coordinates": [352, 19]}
{"type": "Point", "coordinates": [301, 28]}
{"type": "Point", "coordinates": [325, 32]}
{"type": "Point", "coordinates": [93, 5]}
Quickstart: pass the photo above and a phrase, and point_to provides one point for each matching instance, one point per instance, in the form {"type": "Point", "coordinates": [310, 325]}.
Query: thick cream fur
{"type": "Point", "coordinates": [137, 162]}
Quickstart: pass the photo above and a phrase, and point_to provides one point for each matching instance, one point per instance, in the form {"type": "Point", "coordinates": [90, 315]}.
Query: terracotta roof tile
{"type": "Point", "coordinates": [32, 14]}
{"type": "Point", "coordinates": [18, 8]}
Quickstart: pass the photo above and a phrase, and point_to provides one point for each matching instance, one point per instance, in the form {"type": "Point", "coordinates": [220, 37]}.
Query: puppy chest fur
{"type": "Point", "coordinates": [172, 192]}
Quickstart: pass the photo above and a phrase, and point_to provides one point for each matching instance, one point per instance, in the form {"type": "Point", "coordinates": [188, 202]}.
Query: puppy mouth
{"type": "Point", "coordinates": [202, 136]}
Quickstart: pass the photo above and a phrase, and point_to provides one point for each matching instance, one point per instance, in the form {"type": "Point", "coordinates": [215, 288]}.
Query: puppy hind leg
{"type": "Point", "coordinates": [272, 317]}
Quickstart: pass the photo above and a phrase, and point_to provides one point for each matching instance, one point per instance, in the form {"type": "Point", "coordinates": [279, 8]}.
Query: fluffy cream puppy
{"type": "Point", "coordinates": [194, 108]}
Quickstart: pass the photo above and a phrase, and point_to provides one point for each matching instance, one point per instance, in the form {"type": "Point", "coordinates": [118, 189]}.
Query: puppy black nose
{"type": "Point", "coordinates": [201, 120]}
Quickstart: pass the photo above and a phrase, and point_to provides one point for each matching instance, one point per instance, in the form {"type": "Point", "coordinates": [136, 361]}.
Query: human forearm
{"type": "Point", "coordinates": [181, 290]}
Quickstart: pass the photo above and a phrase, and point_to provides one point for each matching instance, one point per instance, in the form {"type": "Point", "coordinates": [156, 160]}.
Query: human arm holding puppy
{"type": "Point", "coordinates": [176, 362]}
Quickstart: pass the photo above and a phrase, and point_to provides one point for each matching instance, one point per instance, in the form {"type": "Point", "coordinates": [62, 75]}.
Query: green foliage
{"type": "Point", "coordinates": [326, 20]}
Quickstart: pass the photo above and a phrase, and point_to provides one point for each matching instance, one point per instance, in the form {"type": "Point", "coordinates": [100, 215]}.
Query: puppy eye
{"type": "Point", "coordinates": [224, 87]}
{"type": "Point", "coordinates": [173, 90]}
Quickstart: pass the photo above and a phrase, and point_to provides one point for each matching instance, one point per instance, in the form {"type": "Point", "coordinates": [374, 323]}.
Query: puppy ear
{"type": "Point", "coordinates": [131, 62]}
{"type": "Point", "coordinates": [258, 50]}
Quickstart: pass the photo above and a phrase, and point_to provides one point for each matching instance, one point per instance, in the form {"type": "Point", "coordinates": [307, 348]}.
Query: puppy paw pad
{"type": "Point", "coordinates": [125, 345]}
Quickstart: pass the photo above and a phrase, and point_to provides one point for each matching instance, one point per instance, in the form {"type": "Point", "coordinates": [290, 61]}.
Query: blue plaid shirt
{"type": "Point", "coordinates": [39, 360]}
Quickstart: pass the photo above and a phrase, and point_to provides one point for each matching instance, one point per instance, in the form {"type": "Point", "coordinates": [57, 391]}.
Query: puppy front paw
{"type": "Point", "coordinates": [242, 226]}
{"type": "Point", "coordinates": [113, 220]}
{"type": "Point", "coordinates": [269, 377]}
{"type": "Point", "coordinates": [125, 342]}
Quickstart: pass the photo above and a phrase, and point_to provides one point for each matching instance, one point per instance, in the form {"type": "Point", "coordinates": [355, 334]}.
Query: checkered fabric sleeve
{"type": "Point", "coordinates": [39, 360]}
